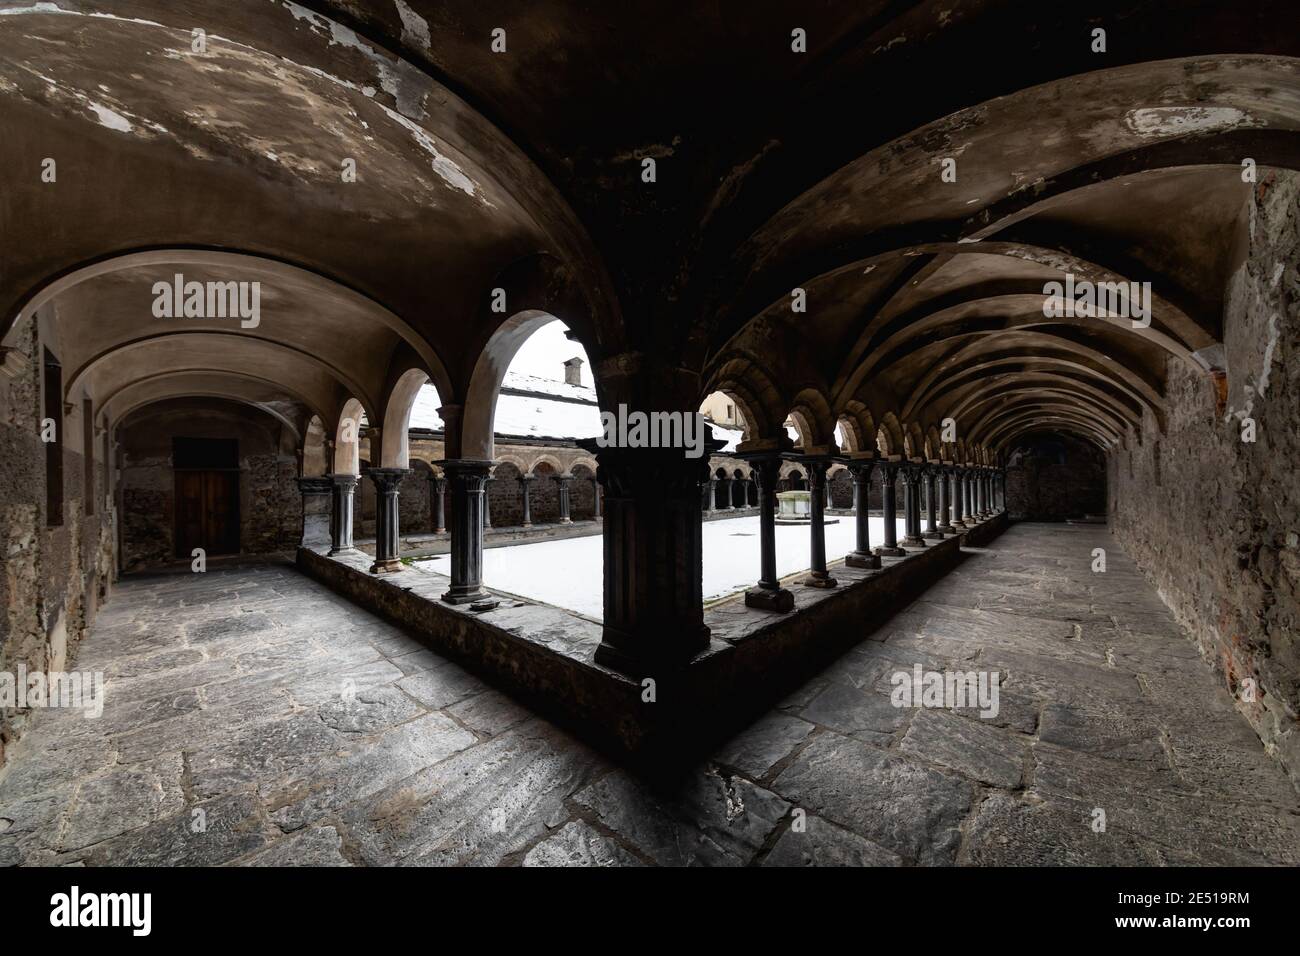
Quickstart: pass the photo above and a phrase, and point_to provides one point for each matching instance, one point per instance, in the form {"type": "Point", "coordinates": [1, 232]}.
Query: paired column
{"type": "Point", "coordinates": [525, 483]}
{"type": "Point", "coordinates": [930, 478]}
{"type": "Point", "coordinates": [818, 576]}
{"type": "Point", "coordinates": [768, 594]}
{"type": "Point", "coordinates": [912, 506]}
{"type": "Point", "coordinates": [438, 502]}
{"type": "Point", "coordinates": [317, 526]}
{"type": "Point", "coordinates": [888, 472]}
{"type": "Point", "coordinates": [942, 478]}
{"type": "Point", "coordinates": [467, 481]}
{"type": "Point", "coordinates": [344, 489]}
{"type": "Point", "coordinates": [387, 539]}
{"type": "Point", "coordinates": [861, 555]}
{"type": "Point", "coordinates": [562, 487]}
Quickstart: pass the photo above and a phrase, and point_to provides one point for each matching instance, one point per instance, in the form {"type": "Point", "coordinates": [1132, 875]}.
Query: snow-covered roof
{"type": "Point", "coordinates": [572, 413]}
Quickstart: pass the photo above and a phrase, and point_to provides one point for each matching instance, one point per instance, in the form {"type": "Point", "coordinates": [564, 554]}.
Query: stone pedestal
{"type": "Point", "coordinates": [344, 493]}
{"type": "Point", "coordinates": [467, 479]}
{"type": "Point", "coordinates": [387, 540]}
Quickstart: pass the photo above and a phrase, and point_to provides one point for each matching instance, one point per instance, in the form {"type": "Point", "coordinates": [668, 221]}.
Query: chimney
{"type": "Point", "coordinates": [573, 371]}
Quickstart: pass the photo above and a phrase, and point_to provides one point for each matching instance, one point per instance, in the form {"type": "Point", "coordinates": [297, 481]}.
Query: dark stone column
{"type": "Point", "coordinates": [861, 556]}
{"type": "Point", "coordinates": [958, 499]}
{"type": "Point", "coordinates": [438, 502]}
{"type": "Point", "coordinates": [387, 538]}
{"type": "Point", "coordinates": [653, 570]}
{"type": "Point", "coordinates": [943, 477]}
{"type": "Point", "coordinates": [345, 487]}
{"type": "Point", "coordinates": [912, 506]}
{"type": "Point", "coordinates": [818, 576]}
{"type": "Point", "coordinates": [968, 494]}
{"type": "Point", "coordinates": [981, 494]}
{"type": "Point", "coordinates": [562, 487]}
{"type": "Point", "coordinates": [888, 471]}
{"type": "Point", "coordinates": [487, 503]}
{"type": "Point", "coordinates": [768, 595]}
{"type": "Point", "coordinates": [724, 486]}
{"type": "Point", "coordinates": [317, 527]}
{"type": "Point", "coordinates": [468, 481]}
{"type": "Point", "coordinates": [595, 497]}
{"type": "Point", "coordinates": [525, 482]}
{"type": "Point", "coordinates": [931, 477]}
{"type": "Point", "coordinates": [710, 500]}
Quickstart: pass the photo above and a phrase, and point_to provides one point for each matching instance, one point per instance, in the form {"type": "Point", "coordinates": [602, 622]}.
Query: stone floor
{"type": "Point", "coordinates": [254, 718]}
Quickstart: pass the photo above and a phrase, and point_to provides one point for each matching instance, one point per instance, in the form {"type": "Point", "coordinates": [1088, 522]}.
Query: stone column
{"type": "Point", "coordinates": [345, 487]}
{"type": "Point", "coordinates": [438, 499]}
{"type": "Point", "coordinates": [981, 494]}
{"type": "Point", "coordinates": [317, 526]}
{"type": "Point", "coordinates": [738, 493]}
{"type": "Point", "coordinates": [768, 595]}
{"type": "Point", "coordinates": [562, 488]}
{"type": "Point", "coordinates": [725, 485]}
{"type": "Point", "coordinates": [958, 498]}
{"type": "Point", "coordinates": [467, 479]}
{"type": "Point", "coordinates": [387, 537]}
{"type": "Point", "coordinates": [487, 503]}
{"type": "Point", "coordinates": [861, 556]}
{"type": "Point", "coordinates": [912, 506]}
{"type": "Point", "coordinates": [525, 483]}
{"type": "Point", "coordinates": [653, 565]}
{"type": "Point", "coordinates": [931, 477]}
{"type": "Point", "coordinates": [818, 576]}
{"type": "Point", "coordinates": [968, 497]}
{"type": "Point", "coordinates": [826, 485]}
{"type": "Point", "coordinates": [595, 497]}
{"type": "Point", "coordinates": [710, 499]}
{"type": "Point", "coordinates": [942, 479]}
{"type": "Point", "coordinates": [888, 471]}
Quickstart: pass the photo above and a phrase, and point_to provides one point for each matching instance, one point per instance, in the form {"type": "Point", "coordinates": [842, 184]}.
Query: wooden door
{"type": "Point", "coordinates": [207, 512]}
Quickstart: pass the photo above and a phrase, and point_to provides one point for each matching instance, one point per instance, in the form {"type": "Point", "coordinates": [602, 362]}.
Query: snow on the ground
{"type": "Point", "coordinates": [568, 573]}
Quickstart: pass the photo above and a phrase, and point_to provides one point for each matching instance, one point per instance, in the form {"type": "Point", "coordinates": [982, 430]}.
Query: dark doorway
{"type": "Point", "coordinates": [207, 495]}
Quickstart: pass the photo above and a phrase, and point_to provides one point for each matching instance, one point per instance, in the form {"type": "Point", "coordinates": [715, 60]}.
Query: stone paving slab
{"type": "Point", "coordinates": [255, 718]}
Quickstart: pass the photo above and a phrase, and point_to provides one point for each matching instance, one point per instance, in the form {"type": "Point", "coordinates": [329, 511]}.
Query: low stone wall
{"type": "Point", "coordinates": [543, 655]}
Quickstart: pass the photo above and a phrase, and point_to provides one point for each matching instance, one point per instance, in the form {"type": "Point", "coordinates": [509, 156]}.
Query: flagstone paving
{"type": "Point", "coordinates": [255, 718]}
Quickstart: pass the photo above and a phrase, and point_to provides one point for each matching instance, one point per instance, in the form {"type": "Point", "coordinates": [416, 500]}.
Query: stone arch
{"type": "Point", "coordinates": [395, 448]}
{"type": "Point", "coordinates": [347, 438]}
{"type": "Point", "coordinates": [315, 450]}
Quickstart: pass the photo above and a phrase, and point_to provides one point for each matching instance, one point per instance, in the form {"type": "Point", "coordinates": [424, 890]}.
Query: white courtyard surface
{"type": "Point", "coordinates": [568, 573]}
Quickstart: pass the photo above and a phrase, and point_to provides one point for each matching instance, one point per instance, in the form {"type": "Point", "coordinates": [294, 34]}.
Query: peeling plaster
{"type": "Point", "coordinates": [415, 29]}
{"type": "Point", "coordinates": [1181, 120]}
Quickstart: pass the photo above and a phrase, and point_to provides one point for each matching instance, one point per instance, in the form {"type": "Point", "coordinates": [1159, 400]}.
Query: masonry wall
{"type": "Point", "coordinates": [52, 579]}
{"type": "Point", "coordinates": [1052, 478]}
{"type": "Point", "coordinates": [270, 505]}
{"type": "Point", "coordinates": [1214, 519]}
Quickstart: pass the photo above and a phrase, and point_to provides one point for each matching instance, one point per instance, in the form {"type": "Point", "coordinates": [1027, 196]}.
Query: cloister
{"type": "Point", "coordinates": [854, 225]}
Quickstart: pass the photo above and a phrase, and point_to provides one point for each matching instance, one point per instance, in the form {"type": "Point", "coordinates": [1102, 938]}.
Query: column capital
{"type": "Point", "coordinates": [387, 479]}
{"type": "Point", "coordinates": [344, 480]}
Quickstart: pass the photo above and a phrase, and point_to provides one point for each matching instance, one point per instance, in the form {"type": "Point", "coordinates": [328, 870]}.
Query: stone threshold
{"type": "Point", "coordinates": [544, 656]}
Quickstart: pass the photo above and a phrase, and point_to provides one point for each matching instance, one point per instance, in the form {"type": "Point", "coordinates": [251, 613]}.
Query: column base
{"type": "Point", "coordinates": [913, 541]}
{"type": "Point", "coordinates": [386, 566]}
{"type": "Point", "coordinates": [466, 597]}
{"type": "Point", "coordinates": [947, 529]}
{"type": "Point", "coordinates": [862, 559]}
{"type": "Point", "coordinates": [935, 535]}
{"type": "Point", "coordinates": [769, 599]}
{"type": "Point", "coordinates": [566, 521]}
{"type": "Point", "coordinates": [526, 524]}
{"type": "Point", "coordinates": [347, 550]}
{"type": "Point", "coordinates": [820, 579]}
{"type": "Point", "coordinates": [887, 552]}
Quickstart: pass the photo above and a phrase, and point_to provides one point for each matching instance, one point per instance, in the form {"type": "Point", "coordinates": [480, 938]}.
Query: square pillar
{"type": "Point", "coordinates": [316, 511]}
